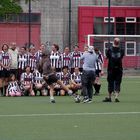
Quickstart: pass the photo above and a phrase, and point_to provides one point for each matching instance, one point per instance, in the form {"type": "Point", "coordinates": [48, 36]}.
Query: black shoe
{"type": "Point", "coordinates": [52, 101]}
{"type": "Point", "coordinates": [107, 100]}
{"type": "Point", "coordinates": [117, 100]}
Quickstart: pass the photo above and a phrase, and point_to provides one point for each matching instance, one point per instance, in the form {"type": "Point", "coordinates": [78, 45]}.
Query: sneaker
{"type": "Point", "coordinates": [52, 101]}
{"type": "Point", "coordinates": [89, 101]}
{"type": "Point", "coordinates": [85, 100]}
{"type": "Point", "coordinates": [117, 100]}
{"type": "Point", "coordinates": [107, 100]}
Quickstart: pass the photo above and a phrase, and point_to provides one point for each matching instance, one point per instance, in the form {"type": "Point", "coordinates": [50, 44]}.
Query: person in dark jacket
{"type": "Point", "coordinates": [114, 70]}
{"type": "Point", "coordinates": [49, 75]}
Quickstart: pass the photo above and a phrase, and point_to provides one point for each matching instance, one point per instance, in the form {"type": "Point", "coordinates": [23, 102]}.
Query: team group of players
{"type": "Point", "coordinates": [20, 75]}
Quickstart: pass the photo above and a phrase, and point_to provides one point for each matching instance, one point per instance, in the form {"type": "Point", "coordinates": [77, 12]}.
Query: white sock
{"type": "Point", "coordinates": [116, 95]}
{"type": "Point", "coordinates": [51, 97]}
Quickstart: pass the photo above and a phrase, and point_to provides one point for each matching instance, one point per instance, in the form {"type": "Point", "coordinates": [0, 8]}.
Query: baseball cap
{"type": "Point", "coordinates": [90, 48]}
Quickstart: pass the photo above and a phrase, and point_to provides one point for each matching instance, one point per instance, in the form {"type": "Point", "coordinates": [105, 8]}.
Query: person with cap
{"type": "Point", "coordinates": [114, 70]}
{"type": "Point", "coordinates": [89, 59]}
{"type": "Point", "coordinates": [49, 75]}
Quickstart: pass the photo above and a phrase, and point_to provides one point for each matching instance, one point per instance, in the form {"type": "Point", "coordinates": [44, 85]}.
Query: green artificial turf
{"type": "Point", "coordinates": [35, 118]}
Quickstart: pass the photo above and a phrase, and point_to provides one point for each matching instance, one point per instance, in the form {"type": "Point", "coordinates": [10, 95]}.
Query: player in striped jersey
{"type": "Point", "coordinates": [99, 71]}
{"type": "Point", "coordinates": [76, 61]}
{"type": "Point", "coordinates": [13, 88]}
{"type": "Point", "coordinates": [39, 83]}
{"type": "Point", "coordinates": [22, 61]}
{"type": "Point", "coordinates": [55, 58]}
{"type": "Point", "coordinates": [38, 54]}
{"type": "Point", "coordinates": [5, 63]}
{"type": "Point", "coordinates": [65, 78]}
{"type": "Point", "coordinates": [32, 59]}
{"type": "Point", "coordinates": [76, 80]}
{"type": "Point", "coordinates": [66, 58]}
{"type": "Point", "coordinates": [27, 81]}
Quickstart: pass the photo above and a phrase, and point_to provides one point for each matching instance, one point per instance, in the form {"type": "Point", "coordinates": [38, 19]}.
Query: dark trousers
{"type": "Point", "coordinates": [114, 79]}
{"type": "Point", "coordinates": [88, 78]}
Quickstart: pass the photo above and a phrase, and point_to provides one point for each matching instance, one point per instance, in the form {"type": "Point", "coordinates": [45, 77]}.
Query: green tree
{"type": "Point", "coordinates": [9, 6]}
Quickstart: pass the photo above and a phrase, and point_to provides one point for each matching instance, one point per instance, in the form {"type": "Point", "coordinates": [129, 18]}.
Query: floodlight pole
{"type": "Point", "coordinates": [109, 3]}
{"type": "Point", "coordinates": [29, 24]}
{"type": "Point", "coordinates": [70, 24]}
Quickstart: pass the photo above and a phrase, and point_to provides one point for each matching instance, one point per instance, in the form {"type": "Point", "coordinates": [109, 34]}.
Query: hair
{"type": "Point", "coordinates": [5, 45]}
{"type": "Point", "coordinates": [24, 48]}
{"type": "Point", "coordinates": [65, 67]}
{"type": "Point", "coordinates": [56, 46]}
{"type": "Point", "coordinates": [10, 77]}
{"type": "Point", "coordinates": [26, 68]}
{"type": "Point", "coordinates": [96, 50]}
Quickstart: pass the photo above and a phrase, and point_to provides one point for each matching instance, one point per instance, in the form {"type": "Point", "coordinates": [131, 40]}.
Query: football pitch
{"type": "Point", "coordinates": [34, 118]}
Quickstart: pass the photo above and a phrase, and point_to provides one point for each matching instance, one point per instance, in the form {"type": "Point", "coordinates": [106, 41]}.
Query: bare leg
{"type": "Point", "coordinates": [64, 87]}
{"type": "Point", "coordinates": [52, 93]}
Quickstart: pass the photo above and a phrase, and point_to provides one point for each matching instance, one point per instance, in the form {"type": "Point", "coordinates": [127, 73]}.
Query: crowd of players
{"type": "Point", "coordinates": [20, 76]}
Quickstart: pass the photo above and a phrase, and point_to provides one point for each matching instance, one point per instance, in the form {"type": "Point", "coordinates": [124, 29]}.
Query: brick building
{"type": "Point", "coordinates": [55, 17]}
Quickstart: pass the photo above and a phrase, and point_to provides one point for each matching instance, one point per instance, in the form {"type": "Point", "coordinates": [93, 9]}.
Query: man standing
{"type": "Point", "coordinates": [114, 70]}
{"type": "Point", "coordinates": [13, 51]}
{"type": "Point", "coordinates": [88, 76]}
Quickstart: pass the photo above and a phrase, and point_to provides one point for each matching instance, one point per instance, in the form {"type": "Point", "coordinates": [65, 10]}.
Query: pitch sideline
{"type": "Point", "coordinates": [69, 114]}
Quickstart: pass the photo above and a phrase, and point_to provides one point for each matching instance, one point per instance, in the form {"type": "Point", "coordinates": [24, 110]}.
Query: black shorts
{"type": "Point", "coordinates": [52, 78]}
{"type": "Point", "coordinates": [4, 73]}
{"type": "Point", "coordinates": [15, 72]}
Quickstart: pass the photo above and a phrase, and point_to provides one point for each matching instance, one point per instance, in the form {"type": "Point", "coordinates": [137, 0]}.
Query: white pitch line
{"type": "Point", "coordinates": [69, 114]}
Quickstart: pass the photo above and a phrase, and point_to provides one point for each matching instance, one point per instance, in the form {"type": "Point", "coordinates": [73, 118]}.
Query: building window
{"type": "Point", "coordinates": [130, 19]}
{"type": "Point", "coordinates": [118, 26]}
{"type": "Point", "coordinates": [106, 19]}
{"type": "Point", "coordinates": [23, 17]}
{"type": "Point", "coordinates": [130, 49]}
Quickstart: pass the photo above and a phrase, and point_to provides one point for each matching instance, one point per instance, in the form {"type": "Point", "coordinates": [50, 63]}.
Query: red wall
{"type": "Point", "coordinates": [86, 16]}
{"type": "Point", "coordinates": [18, 32]}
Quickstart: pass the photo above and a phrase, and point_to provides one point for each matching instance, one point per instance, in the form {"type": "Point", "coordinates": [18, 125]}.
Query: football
{"type": "Point", "coordinates": [77, 100]}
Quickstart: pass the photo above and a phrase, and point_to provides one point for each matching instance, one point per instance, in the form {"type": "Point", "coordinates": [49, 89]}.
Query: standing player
{"type": "Point", "coordinates": [99, 71]}
{"type": "Point", "coordinates": [22, 61]}
{"type": "Point", "coordinates": [66, 58]}
{"type": "Point", "coordinates": [38, 54]}
{"type": "Point", "coordinates": [76, 61]}
{"type": "Point", "coordinates": [55, 58]}
{"type": "Point", "coordinates": [5, 64]}
{"type": "Point", "coordinates": [32, 59]}
{"type": "Point", "coordinates": [114, 70]}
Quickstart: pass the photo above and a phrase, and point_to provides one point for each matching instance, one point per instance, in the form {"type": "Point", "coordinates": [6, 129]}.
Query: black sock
{"type": "Point", "coordinates": [98, 88]}
{"type": "Point", "coordinates": [1, 90]}
{"type": "Point", "coordinates": [4, 90]}
{"type": "Point", "coordinates": [95, 87]}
